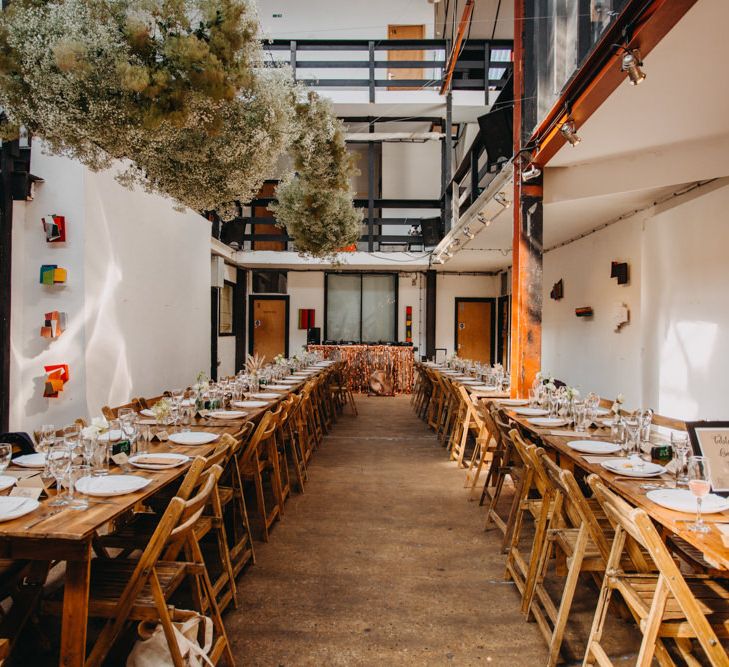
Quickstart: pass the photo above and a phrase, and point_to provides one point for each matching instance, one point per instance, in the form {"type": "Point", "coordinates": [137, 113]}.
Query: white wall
{"type": "Point", "coordinates": [306, 290]}
{"type": "Point", "coordinates": [674, 353]}
{"type": "Point", "coordinates": [226, 344]}
{"type": "Point", "coordinates": [138, 295]}
{"type": "Point", "coordinates": [448, 287]}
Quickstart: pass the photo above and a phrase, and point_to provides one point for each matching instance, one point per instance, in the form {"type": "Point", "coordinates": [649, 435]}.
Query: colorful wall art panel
{"type": "Point", "coordinates": [307, 318]}
{"type": "Point", "coordinates": [56, 377]}
{"type": "Point", "coordinates": [54, 324]}
{"type": "Point", "coordinates": [55, 228]}
{"type": "Point", "coordinates": [52, 274]}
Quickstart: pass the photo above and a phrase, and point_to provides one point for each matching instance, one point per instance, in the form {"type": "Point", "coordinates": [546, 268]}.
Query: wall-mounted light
{"type": "Point", "coordinates": [530, 173]}
{"type": "Point", "coordinates": [569, 132]}
{"type": "Point", "coordinates": [483, 219]}
{"type": "Point", "coordinates": [502, 199]}
{"type": "Point", "coordinates": [468, 233]}
{"type": "Point", "coordinates": [632, 64]}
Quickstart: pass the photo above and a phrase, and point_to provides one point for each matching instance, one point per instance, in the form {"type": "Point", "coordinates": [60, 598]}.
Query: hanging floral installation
{"type": "Point", "coordinates": [176, 90]}
{"type": "Point", "coordinates": [315, 203]}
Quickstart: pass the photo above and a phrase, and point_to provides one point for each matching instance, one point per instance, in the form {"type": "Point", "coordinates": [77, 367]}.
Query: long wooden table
{"type": "Point", "coordinates": [709, 544]}
{"type": "Point", "coordinates": [67, 536]}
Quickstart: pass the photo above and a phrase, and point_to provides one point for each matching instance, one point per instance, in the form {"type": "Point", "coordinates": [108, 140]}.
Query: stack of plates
{"type": "Point", "coordinates": [548, 422]}
{"type": "Point", "coordinates": [513, 402]}
{"type": "Point", "coordinates": [531, 412]}
{"type": "Point", "coordinates": [265, 395]}
{"type": "Point", "coordinates": [111, 485]}
{"type": "Point", "coordinates": [250, 404]}
{"type": "Point", "coordinates": [594, 446]}
{"type": "Point", "coordinates": [160, 461]}
{"type": "Point", "coordinates": [682, 500]}
{"type": "Point", "coordinates": [193, 437]}
{"type": "Point", "coordinates": [227, 414]}
{"type": "Point", "coordinates": [632, 467]}
{"type": "Point", "coordinates": [31, 461]}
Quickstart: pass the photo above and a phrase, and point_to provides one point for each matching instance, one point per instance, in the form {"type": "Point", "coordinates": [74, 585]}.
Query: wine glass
{"type": "Point", "coordinates": [6, 453]}
{"type": "Point", "coordinates": [59, 463]}
{"type": "Point", "coordinates": [700, 485]}
{"type": "Point", "coordinates": [130, 429]}
{"type": "Point", "coordinates": [47, 436]}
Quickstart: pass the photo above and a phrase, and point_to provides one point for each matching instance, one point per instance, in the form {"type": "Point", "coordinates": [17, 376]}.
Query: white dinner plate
{"type": "Point", "coordinates": [227, 414]}
{"type": "Point", "coordinates": [633, 468]}
{"type": "Point", "coordinates": [266, 395]}
{"type": "Point", "coordinates": [111, 485]}
{"type": "Point", "coordinates": [116, 434]}
{"type": "Point", "coordinates": [601, 412]}
{"type": "Point", "coordinates": [290, 381]}
{"type": "Point", "coordinates": [193, 437]}
{"type": "Point", "coordinates": [515, 402]}
{"type": "Point", "coordinates": [12, 507]}
{"type": "Point", "coordinates": [553, 422]}
{"type": "Point", "coordinates": [682, 500]}
{"type": "Point", "coordinates": [594, 446]}
{"type": "Point", "coordinates": [481, 387]}
{"type": "Point", "coordinates": [6, 481]}
{"type": "Point", "coordinates": [138, 461]}
{"type": "Point", "coordinates": [31, 460]}
{"type": "Point", "coordinates": [531, 412]}
{"type": "Point", "coordinates": [278, 387]}
{"type": "Point", "coordinates": [147, 412]}
{"type": "Point", "coordinates": [250, 404]}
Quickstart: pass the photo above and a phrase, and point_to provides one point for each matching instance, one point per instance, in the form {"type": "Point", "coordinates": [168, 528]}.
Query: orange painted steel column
{"type": "Point", "coordinates": [526, 277]}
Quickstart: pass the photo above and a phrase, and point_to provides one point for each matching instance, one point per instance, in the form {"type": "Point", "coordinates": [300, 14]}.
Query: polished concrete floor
{"type": "Point", "coordinates": [382, 561]}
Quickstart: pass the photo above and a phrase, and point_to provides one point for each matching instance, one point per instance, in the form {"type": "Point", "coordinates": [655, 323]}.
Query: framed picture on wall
{"type": "Point", "coordinates": [711, 439]}
{"type": "Point", "coordinates": [225, 310]}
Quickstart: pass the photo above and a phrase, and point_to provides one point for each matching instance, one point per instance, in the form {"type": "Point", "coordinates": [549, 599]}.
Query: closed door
{"type": "Point", "coordinates": [394, 73]}
{"type": "Point", "coordinates": [269, 331]}
{"type": "Point", "coordinates": [474, 329]}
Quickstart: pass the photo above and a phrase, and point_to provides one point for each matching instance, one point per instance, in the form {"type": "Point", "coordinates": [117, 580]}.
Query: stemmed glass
{"type": "Point", "coordinates": [59, 464]}
{"type": "Point", "coordinates": [71, 435]}
{"type": "Point", "coordinates": [130, 428]}
{"type": "Point", "coordinates": [46, 439]}
{"type": "Point", "coordinates": [700, 485]}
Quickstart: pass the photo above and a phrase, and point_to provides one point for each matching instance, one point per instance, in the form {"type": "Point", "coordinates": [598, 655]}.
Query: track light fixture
{"type": "Point", "coordinates": [530, 173]}
{"type": "Point", "coordinates": [502, 199]}
{"type": "Point", "coordinates": [632, 64]}
{"type": "Point", "coordinates": [437, 259]}
{"type": "Point", "coordinates": [448, 252]}
{"type": "Point", "coordinates": [483, 219]}
{"type": "Point", "coordinates": [569, 133]}
{"type": "Point", "coordinates": [468, 233]}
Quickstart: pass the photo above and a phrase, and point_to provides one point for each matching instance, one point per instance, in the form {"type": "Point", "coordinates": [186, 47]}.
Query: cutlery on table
{"type": "Point", "coordinates": [47, 515]}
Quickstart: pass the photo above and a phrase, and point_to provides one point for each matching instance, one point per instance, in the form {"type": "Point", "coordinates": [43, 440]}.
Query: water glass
{"type": "Point", "coordinates": [580, 412]}
{"type": "Point", "coordinates": [100, 459]}
{"type": "Point", "coordinates": [680, 444]}
{"type": "Point", "coordinates": [632, 432]}
{"type": "Point", "coordinates": [75, 473]}
{"type": "Point", "coordinates": [47, 438]}
{"type": "Point", "coordinates": [6, 453]}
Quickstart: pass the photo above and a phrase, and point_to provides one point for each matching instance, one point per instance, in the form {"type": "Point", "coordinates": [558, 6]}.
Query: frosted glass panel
{"type": "Point", "coordinates": [378, 308]}
{"type": "Point", "coordinates": [343, 307]}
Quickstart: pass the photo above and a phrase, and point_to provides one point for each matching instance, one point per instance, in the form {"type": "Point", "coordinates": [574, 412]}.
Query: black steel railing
{"type": "Point", "coordinates": [482, 65]}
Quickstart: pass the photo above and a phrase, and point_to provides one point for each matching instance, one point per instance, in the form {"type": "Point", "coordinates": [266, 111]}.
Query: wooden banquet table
{"type": "Point", "coordinates": [710, 544]}
{"type": "Point", "coordinates": [397, 361]}
{"type": "Point", "coordinates": [68, 535]}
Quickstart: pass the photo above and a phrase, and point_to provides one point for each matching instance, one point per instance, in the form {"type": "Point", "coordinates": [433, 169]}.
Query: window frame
{"type": "Point", "coordinates": [361, 274]}
{"type": "Point", "coordinates": [232, 332]}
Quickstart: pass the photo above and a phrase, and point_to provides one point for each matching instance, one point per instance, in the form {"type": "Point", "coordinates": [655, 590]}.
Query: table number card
{"type": "Point", "coordinates": [711, 439]}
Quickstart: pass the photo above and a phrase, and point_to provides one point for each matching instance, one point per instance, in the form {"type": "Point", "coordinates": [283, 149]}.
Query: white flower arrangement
{"type": "Point", "coordinates": [98, 425]}
{"type": "Point", "coordinates": [161, 409]}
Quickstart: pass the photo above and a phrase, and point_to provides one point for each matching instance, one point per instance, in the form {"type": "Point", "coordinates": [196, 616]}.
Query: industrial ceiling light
{"type": "Point", "coordinates": [502, 199]}
{"type": "Point", "coordinates": [569, 133]}
{"type": "Point", "coordinates": [437, 259]}
{"type": "Point", "coordinates": [468, 233]}
{"type": "Point", "coordinates": [530, 173]}
{"type": "Point", "coordinates": [448, 252]}
{"type": "Point", "coordinates": [483, 219]}
{"type": "Point", "coordinates": [632, 64]}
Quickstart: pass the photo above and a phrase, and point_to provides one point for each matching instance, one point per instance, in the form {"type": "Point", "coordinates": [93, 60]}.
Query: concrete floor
{"type": "Point", "coordinates": [382, 561]}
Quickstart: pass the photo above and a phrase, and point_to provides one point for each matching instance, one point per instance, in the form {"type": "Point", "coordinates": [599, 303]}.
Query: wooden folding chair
{"type": "Point", "coordinates": [123, 590]}
{"type": "Point", "coordinates": [486, 445]}
{"type": "Point", "coordinates": [666, 605]}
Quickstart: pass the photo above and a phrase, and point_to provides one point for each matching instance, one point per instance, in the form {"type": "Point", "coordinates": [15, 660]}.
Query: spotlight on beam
{"type": "Point", "coordinates": [530, 173]}
{"type": "Point", "coordinates": [437, 259]}
{"type": "Point", "coordinates": [483, 219]}
{"type": "Point", "coordinates": [468, 233]}
{"type": "Point", "coordinates": [502, 199]}
{"type": "Point", "coordinates": [632, 64]}
{"type": "Point", "coordinates": [569, 132]}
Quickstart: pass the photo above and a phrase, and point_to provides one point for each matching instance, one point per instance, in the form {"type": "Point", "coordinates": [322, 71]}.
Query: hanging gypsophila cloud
{"type": "Point", "coordinates": [174, 88]}
{"type": "Point", "coordinates": [315, 204]}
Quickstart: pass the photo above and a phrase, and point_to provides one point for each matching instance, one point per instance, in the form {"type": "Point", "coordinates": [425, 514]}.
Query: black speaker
{"type": "Point", "coordinates": [432, 230]}
{"type": "Point", "coordinates": [497, 137]}
{"type": "Point", "coordinates": [313, 336]}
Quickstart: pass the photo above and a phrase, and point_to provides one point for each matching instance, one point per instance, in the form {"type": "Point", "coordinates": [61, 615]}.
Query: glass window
{"type": "Point", "coordinates": [270, 282]}
{"type": "Point", "coordinates": [225, 310]}
{"type": "Point", "coordinates": [361, 307]}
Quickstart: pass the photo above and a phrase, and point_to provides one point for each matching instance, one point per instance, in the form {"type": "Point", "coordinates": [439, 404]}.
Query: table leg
{"type": "Point", "coordinates": [75, 611]}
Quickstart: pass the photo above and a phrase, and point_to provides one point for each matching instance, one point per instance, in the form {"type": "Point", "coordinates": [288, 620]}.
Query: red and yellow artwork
{"type": "Point", "coordinates": [56, 377]}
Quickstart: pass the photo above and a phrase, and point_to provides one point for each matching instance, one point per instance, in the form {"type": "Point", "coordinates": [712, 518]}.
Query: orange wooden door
{"type": "Point", "coordinates": [474, 330]}
{"type": "Point", "coordinates": [267, 190]}
{"type": "Point", "coordinates": [269, 327]}
{"type": "Point", "coordinates": [405, 32]}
